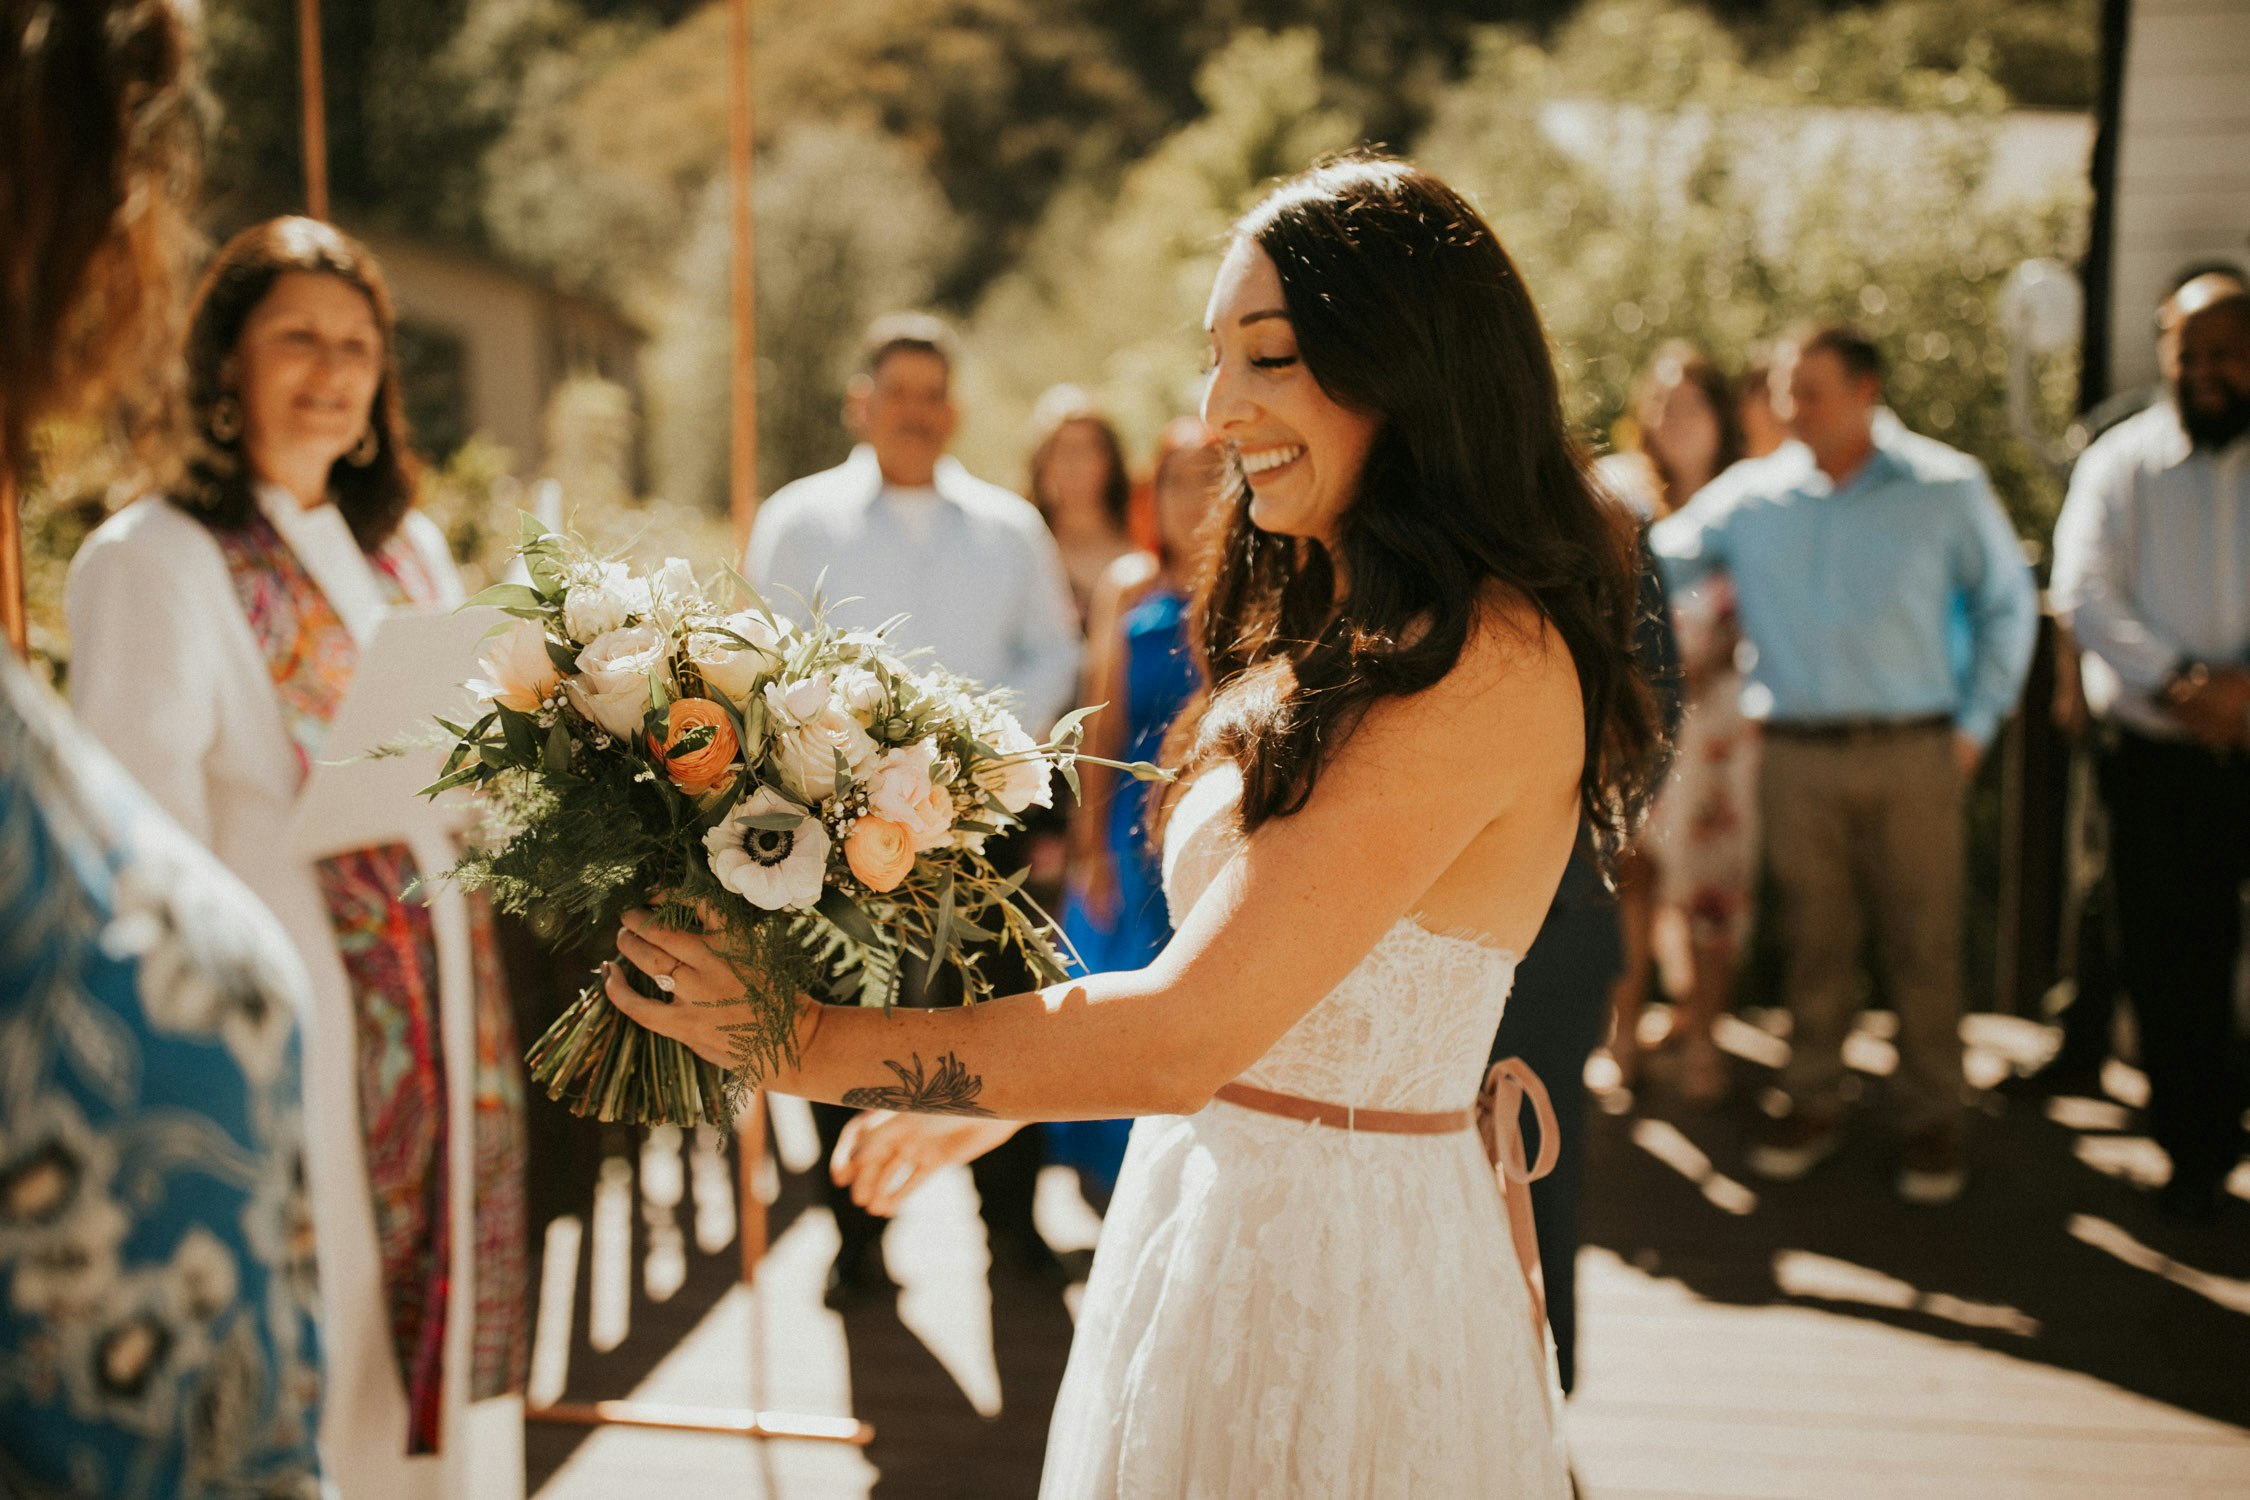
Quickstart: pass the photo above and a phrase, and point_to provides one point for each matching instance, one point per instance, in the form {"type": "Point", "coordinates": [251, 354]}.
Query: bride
{"type": "Point", "coordinates": [1417, 626]}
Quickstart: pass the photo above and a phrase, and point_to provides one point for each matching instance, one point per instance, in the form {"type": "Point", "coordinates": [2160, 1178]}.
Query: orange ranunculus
{"type": "Point", "coordinates": [696, 771]}
{"type": "Point", "coordinates": [880, 852]}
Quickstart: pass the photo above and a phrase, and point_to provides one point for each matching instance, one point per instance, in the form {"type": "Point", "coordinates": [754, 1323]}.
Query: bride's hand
{"type": "Point", "coordinates": [884, 1155]}
{"type": "Point", "coordinates": [706, 1010]}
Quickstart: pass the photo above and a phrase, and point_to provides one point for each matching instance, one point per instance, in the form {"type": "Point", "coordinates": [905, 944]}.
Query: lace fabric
{"type": "Point", "coordinates": [1283, 1308]}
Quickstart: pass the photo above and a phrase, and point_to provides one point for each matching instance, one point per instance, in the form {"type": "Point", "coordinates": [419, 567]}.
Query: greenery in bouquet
{"type": "Point", "coordinates": [817, 801]}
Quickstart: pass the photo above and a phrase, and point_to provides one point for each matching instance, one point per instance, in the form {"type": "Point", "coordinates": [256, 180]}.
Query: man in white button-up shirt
{"type": "Point", "coordinates": [2152, 572]}
{"type": "Point", "coordinates": [900, 528]}
{"type": "Point", "coordinates": [906, 529]}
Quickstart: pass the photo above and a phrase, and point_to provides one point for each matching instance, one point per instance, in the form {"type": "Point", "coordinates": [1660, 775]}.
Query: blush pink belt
{"type": "Point", "coordinates": [1497, 1118]}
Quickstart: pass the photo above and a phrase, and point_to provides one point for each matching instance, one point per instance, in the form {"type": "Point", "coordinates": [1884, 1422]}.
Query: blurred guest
{"type": "Point", "coordinates": [1559, 1006]}
{"type": "Point", "coordinates": [2137, 399]}
{"type": "Point", "coordinates": [1141, 663]}
{"type": "Point", "coordinates": [1762, 431]}
{"type": "Point", "coordinates": [900, 526]}
{"type": "Point", "coordinates": [1701, 840]}
{"type": "Point", "coordinates": [2093, 986]}
{"type": "Point", "coordinates": [1081, 487]}
{"type": "Point", "coordinates": [216, 632]}
{"type": "Point", "coordinates": [2152, 570]}
{"type": "Point", "coordinates": [1853, 552]}
{"type": "Point", "coordinates": [157, 1300]}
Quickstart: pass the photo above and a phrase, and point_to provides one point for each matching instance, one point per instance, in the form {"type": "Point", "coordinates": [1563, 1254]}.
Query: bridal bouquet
{"type": "Point", "coordinates": [808, 796]}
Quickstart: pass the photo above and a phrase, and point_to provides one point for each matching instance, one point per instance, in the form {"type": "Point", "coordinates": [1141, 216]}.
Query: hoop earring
{"type": "Point", "coordinates": [365, 450]}
{"type": "Point", "coordinates": [224, 421]}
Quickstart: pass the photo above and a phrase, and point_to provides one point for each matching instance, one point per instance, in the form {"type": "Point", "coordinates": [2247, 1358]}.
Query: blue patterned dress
{"type": "Point", "coordinates": [157, 1297]}
{"type": "Point", "coordinates": [1160, 677]}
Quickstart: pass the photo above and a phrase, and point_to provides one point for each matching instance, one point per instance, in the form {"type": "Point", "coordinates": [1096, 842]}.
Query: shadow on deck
{"type": "Point", "coordinates": [2048, 1336]}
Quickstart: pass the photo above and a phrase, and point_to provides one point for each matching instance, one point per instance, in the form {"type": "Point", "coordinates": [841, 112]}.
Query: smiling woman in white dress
{"type": "Point", "coordinates": [1418, 629]}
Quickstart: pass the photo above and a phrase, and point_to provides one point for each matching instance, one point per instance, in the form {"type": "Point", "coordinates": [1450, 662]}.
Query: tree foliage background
{"type": "Point", "coordinates": [1055, 175]}
{"type": "Point", "coordinates": [1058, 175]}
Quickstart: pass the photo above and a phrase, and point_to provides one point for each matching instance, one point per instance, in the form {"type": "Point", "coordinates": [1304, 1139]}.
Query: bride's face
{"type": "Point", "coordinates": [1299, 450]}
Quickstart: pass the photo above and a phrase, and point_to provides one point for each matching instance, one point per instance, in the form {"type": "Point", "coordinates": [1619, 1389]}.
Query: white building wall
{"type": "Point", "coordinates": [2183, 163]}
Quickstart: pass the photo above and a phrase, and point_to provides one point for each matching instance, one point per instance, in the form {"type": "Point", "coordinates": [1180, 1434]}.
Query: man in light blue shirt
{"type": "Point", "coordinates": [1859, 554]}
{"type": "Point", "coordinates": [2152, 570]}
{"type": "Point", "coordinates": [899, 527]}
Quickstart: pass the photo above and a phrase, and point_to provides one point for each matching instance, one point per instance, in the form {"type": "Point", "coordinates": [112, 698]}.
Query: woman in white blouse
{"type": "Point", "coordinates": [214, 633]}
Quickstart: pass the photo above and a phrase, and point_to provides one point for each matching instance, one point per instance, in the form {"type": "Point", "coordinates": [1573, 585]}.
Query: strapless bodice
{"type": "Point", "coordinates": [1409, 1028]}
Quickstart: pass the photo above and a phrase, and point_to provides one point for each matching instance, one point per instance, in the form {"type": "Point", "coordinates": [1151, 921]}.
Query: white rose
{"type": "Point", "coordinates": [675, 578]}
{"type": "Point", "coordinates": [1015, 784]}
{"type": "Point", "coordinates": [903, 787]}
{"type": "Point", "coordinates": [811, 729]}
{"type": "Point", "coordinates": [611, 687]}
{"type": "Point", "coordinates": [518, 672]}
{"type": "Point", "coordinates": [795, 702]}
{"type": "Point", "coordinates": [862, 694]}
{"type": "Point", "coordinates": [602, 603]}
{"type": "Point", "coordinates": [774, 869]}
{"type": "Point", "coordinates": [735, 670]}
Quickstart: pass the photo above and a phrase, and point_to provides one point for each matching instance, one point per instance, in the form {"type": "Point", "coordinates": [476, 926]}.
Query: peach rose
{"type": "Point", "coordinates": [880, 853]}
{"type": "Point", "coordinates": [696, 771]}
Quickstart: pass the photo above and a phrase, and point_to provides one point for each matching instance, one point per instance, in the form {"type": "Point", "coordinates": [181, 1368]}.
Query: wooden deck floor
{"type": "Point", "coordinates": [2046, 1337]}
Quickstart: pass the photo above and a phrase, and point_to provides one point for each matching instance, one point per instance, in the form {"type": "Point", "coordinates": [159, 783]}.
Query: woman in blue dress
{"type": "Point", "coordinates": [1141, 664]}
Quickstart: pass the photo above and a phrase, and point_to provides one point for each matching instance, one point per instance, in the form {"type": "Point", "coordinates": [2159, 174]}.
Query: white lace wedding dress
{"type": "Point", "coordinates": [1285, 1309]}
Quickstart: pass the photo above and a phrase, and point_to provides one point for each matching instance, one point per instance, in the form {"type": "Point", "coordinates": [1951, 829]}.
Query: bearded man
{"type": "Point", "coordinates": [2152, 572]}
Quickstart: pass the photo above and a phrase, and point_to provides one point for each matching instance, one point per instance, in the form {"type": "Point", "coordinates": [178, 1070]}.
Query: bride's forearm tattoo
{"type": "Point", "coordinates": [949, 1089]}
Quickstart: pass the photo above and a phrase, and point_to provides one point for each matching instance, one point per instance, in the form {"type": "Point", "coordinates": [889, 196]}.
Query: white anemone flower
{"type": "Point", "coordinates": [772, 868]}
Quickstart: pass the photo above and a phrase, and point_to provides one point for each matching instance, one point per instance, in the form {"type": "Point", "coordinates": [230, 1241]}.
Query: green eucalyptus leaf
{"type": "Point", "coordinates": [556, 754]}
{"type": "Point", "coordinates": [941, 931]}
{"type": "Point", "coordinates": [446, 783]}
{"type": "Point", "coordinates": [515, 598]}
{"type": "Point", "coordinates": [1070, 721]}
{"type": "Point", "coordinates": [695, 739]}
{"type": "Point", "coordinates": [844, 912]}
{"type": "Point", "coordinates": [565, 659]}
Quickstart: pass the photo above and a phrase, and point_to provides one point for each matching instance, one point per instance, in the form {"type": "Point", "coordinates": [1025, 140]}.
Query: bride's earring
{"type": "Point", "coordinates": [224, 422]}
{"type": "Point", "coordinates": [364, 451]}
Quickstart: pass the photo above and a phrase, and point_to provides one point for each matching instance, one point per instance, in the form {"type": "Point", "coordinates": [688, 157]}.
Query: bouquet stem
{"type": "Point", "coordinates": [596, 1063]}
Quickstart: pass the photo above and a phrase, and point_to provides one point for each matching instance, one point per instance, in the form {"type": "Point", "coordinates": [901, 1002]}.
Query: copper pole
{"type": "Point", "coordinates": [743, 1423]}
{"type": "Point", "coordinates": [313, 96]}
{"type": "Point", "coordinates": [743, 490]}
{"type": "Point", "coordinates": [750, 1203]}
{"type": "Point", "coordinates": [11, 562]}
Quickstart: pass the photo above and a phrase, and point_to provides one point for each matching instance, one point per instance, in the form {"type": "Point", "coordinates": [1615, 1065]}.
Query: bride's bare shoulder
{"type": "Point", "coordinates": [1514, 662]}
{"type": "Point", "coordinates": [1509, 704]}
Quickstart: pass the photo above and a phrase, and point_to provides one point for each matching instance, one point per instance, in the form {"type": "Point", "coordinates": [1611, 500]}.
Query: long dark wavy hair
{"type": "Point", "coordinates": [97, 107]}
{"type": "Point", "coordinates": [1683, 361]}
{"type": "Point", "coordinates": [1406, 307]}
{"type": "Point", "coordinates": [373, 497]}
{"type": "Point", "coordinates": [1117, 489]}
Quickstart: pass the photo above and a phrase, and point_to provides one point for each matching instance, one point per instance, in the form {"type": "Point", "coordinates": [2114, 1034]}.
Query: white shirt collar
{"type": "Point", "coordinates": [2174, 447]}
{"type": "Point", "coordinates": [866, 477]}
{"type": "Point", "coordinates": [323, 543]}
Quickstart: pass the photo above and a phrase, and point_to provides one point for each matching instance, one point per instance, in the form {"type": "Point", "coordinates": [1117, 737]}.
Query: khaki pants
{"type": "Point", "coordinates": [1858, 830]}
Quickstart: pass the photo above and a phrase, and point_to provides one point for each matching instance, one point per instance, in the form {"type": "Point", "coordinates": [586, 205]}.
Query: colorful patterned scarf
{"type": "Point", "coordinates": [389, 952]}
